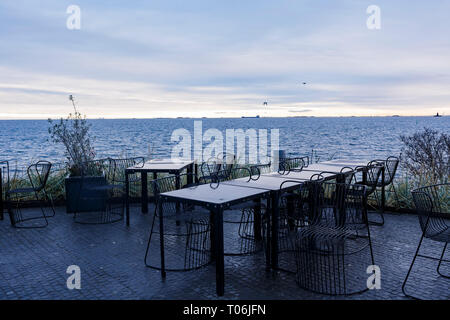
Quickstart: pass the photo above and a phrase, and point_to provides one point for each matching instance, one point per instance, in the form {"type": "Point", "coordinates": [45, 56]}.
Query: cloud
{"type": "Point", "coordinates": [161, 59]}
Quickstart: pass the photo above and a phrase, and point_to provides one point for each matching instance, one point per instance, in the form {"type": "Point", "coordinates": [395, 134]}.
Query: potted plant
{"type": "Point", "coordinates": [74, 133]}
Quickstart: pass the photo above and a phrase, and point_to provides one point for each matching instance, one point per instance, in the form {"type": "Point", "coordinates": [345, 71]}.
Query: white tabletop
{"type": "Point", "coordinates": [265, 182]}
{"type": "Point", "coordinates": [347, 162]}
{"type": "Point", "coordinates": [162, 165]}
{"type": "Point", "coordinates": [331, 167]}
{"type": "Point", "coordinates": [302, 175]}
{"type": "Point", "coordinates": [222, 194]}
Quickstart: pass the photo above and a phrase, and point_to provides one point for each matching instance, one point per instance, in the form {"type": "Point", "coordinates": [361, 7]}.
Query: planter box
{"type": "Point", "coordinates": [90, 200]}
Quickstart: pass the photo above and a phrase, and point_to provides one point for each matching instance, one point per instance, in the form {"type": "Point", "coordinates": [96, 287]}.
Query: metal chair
{"type": "Point", "coordinates": [179, 227]}
{"type": "Point", "coordinates": [38, 174]}
{"type": "Point", "coordinates": [333, 251]}
{"type": "Point", "coordinates": [297, 164]}
{"type": "Point", "coordinates": [390, 167]}
{"type": "Point", "coordinates": [97, 188]}
{"type": "Point", "coordinates": [372, 179]}
{"type": "Point", "coordinates": [433, 209]}
{"type": "Point", "coordinates": [249, 220]}
{"type": "Point", "coordinates": [257, 170]}
{"type": "Point", "coordinates": [118, 173]}
{"type": "Point", "coordinates": [4, 185]}
{"type": "Point", "coordinates": [296, 209]}
{"type": "Point", "coordinates": [217, 168]}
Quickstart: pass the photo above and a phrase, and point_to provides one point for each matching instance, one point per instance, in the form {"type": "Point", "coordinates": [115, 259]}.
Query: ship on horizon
{"type": "Point", "coordinates": [255, 117]}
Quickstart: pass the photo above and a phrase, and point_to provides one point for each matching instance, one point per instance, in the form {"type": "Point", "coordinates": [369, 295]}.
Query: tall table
{"type": "Point", "coordinates": [154, 166]}
{"type": "Point", "coordinates": [216, 200]}
{"type": "Point", "coordinates": [272, 182]}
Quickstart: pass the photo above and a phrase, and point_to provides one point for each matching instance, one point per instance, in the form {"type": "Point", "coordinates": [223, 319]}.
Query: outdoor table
{"type": "Point", "coordinates": [332, 167]}
{"type": "Point", "coordinates": [271, 183]}
{"type": "Point", "coordinates": [300, 175]}
{"type": "Point", "coordinates": [154, 166]}
{"type": "Point", "coordinates": [216, 200]}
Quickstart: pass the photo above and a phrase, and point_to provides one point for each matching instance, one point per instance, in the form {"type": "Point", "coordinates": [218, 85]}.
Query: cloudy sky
{"type": "Point", "coordinates": [224, 58]}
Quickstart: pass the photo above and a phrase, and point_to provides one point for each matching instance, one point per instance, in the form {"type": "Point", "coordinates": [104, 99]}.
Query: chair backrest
{"type": "Point", "coordinates": [210, 167]}
{"type": "Point", "coordinates": [433, 208]}
{"type": "Point", "coordinates": [38, 174]}
{"type": "Point", "coordinates": [391, 165]}
{"type": "Point", "coordinates": [373, 175]}
{"type": "Point", "coordinates": [119, 166]}
{"type": "Point", "coordinates": [4, 175]}
{"type": "Point", "coordinates": [259, 169]}
{"type": "Point", "coordinates": [295, 164]}
{"type": "Point", "coordinates": [349, 174]}
{"type": "Point", "coordinates": [172, 182]}
{"type": "Point", "coordinates": [340, 204]}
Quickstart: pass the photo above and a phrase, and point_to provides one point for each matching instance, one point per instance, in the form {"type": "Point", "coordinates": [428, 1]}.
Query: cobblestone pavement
{"type": "Point", "coordinates": [33, 265]}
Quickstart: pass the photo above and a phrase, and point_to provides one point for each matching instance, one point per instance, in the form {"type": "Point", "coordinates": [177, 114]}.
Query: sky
{"type": "Point", "coordinates": [224, 58]}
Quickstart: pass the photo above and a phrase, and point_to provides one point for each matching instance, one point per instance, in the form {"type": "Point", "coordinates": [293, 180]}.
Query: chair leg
{"type": "Point", "coordinates": [41, 205]}
{"type": "Point", "coordinates": [52, 206]}
{"type": "Point", "coordinates": [150, 239]}
{"type": "Point", "coordinates": [380, 213]}
{"type": "Point", "coordinates": [410, 268]}
{"type": "Point", "coordinates": [440, 262]}
{"type": "Point", "coordinates": [161, 240]}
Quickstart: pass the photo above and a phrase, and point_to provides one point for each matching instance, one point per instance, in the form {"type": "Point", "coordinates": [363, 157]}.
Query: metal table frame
{"type": "Point", "coordinates": [143, 171]}
{"type": "Point", "coordinates": [216, 209]}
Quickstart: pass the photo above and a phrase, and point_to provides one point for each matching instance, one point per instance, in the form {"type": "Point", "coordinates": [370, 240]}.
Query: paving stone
{"type": "Point", "coordinates": [33, 264]}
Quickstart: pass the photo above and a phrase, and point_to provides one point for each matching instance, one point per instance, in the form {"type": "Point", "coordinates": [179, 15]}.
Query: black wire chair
{"type": "Point", "coordinates": [38, 174]}
{"type": "Point", "coordinates": [4, 185]}
{"type": "Point", "coordinates": [219, 167]}
{"type": "Point", "coordinates": [257, 170]}
{"type": "Point", "coordinates": [297, 164]}
{"type": "Point", "coordinates": [118, 174]}
{"type": "Point", "coordinates": [433, 209]}
{"type": "Point", "coordinates": [390, 168]}
{"type": "Point", "coordinates": [333, 251]}
{"type": "Point", "coordinates": [178, 227]}
{"type": "Point", "coordinates": [105, 199]}
{"type": "Point", "coordinates": [296, 209]}
{"type": "Point", "coordinates": [248, 222]}
{"type": "Point", "coordinates": [372, 180]}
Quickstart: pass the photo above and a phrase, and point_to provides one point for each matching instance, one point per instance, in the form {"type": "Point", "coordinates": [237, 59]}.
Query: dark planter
{"type": "Point", "coordinates": [90, 200]}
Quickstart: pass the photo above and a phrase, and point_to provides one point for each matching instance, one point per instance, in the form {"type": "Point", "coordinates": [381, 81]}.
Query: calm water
{"type": "Point", "coordinates": [366, 138]}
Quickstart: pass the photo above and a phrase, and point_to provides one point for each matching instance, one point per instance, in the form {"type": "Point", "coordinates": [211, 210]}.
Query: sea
{"type": "Point", "coordinates": [364, 138]}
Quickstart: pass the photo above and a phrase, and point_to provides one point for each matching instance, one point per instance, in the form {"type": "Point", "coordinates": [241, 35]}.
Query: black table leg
{"type": "Point", "coordinates": [161, 239]}
{"type": "Point", "coordinates": [383, 196]}
{"type": "Point", "coordinates": [127, 200]}
{"type": "Point", "coordinates": [218, 248]}
{"type": "Point", "coordinates": [1, 195]}
{"type": "Point", "coordinates": [275, 213]}
{"type": "Point", "coordinates": [257, 220]}
{"type": "Point", "coordinates": [144, 195]}
{"type": "Point", "coordinates": [177, 186]}
{"type": "Point", "coordinates": [190, 174]}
